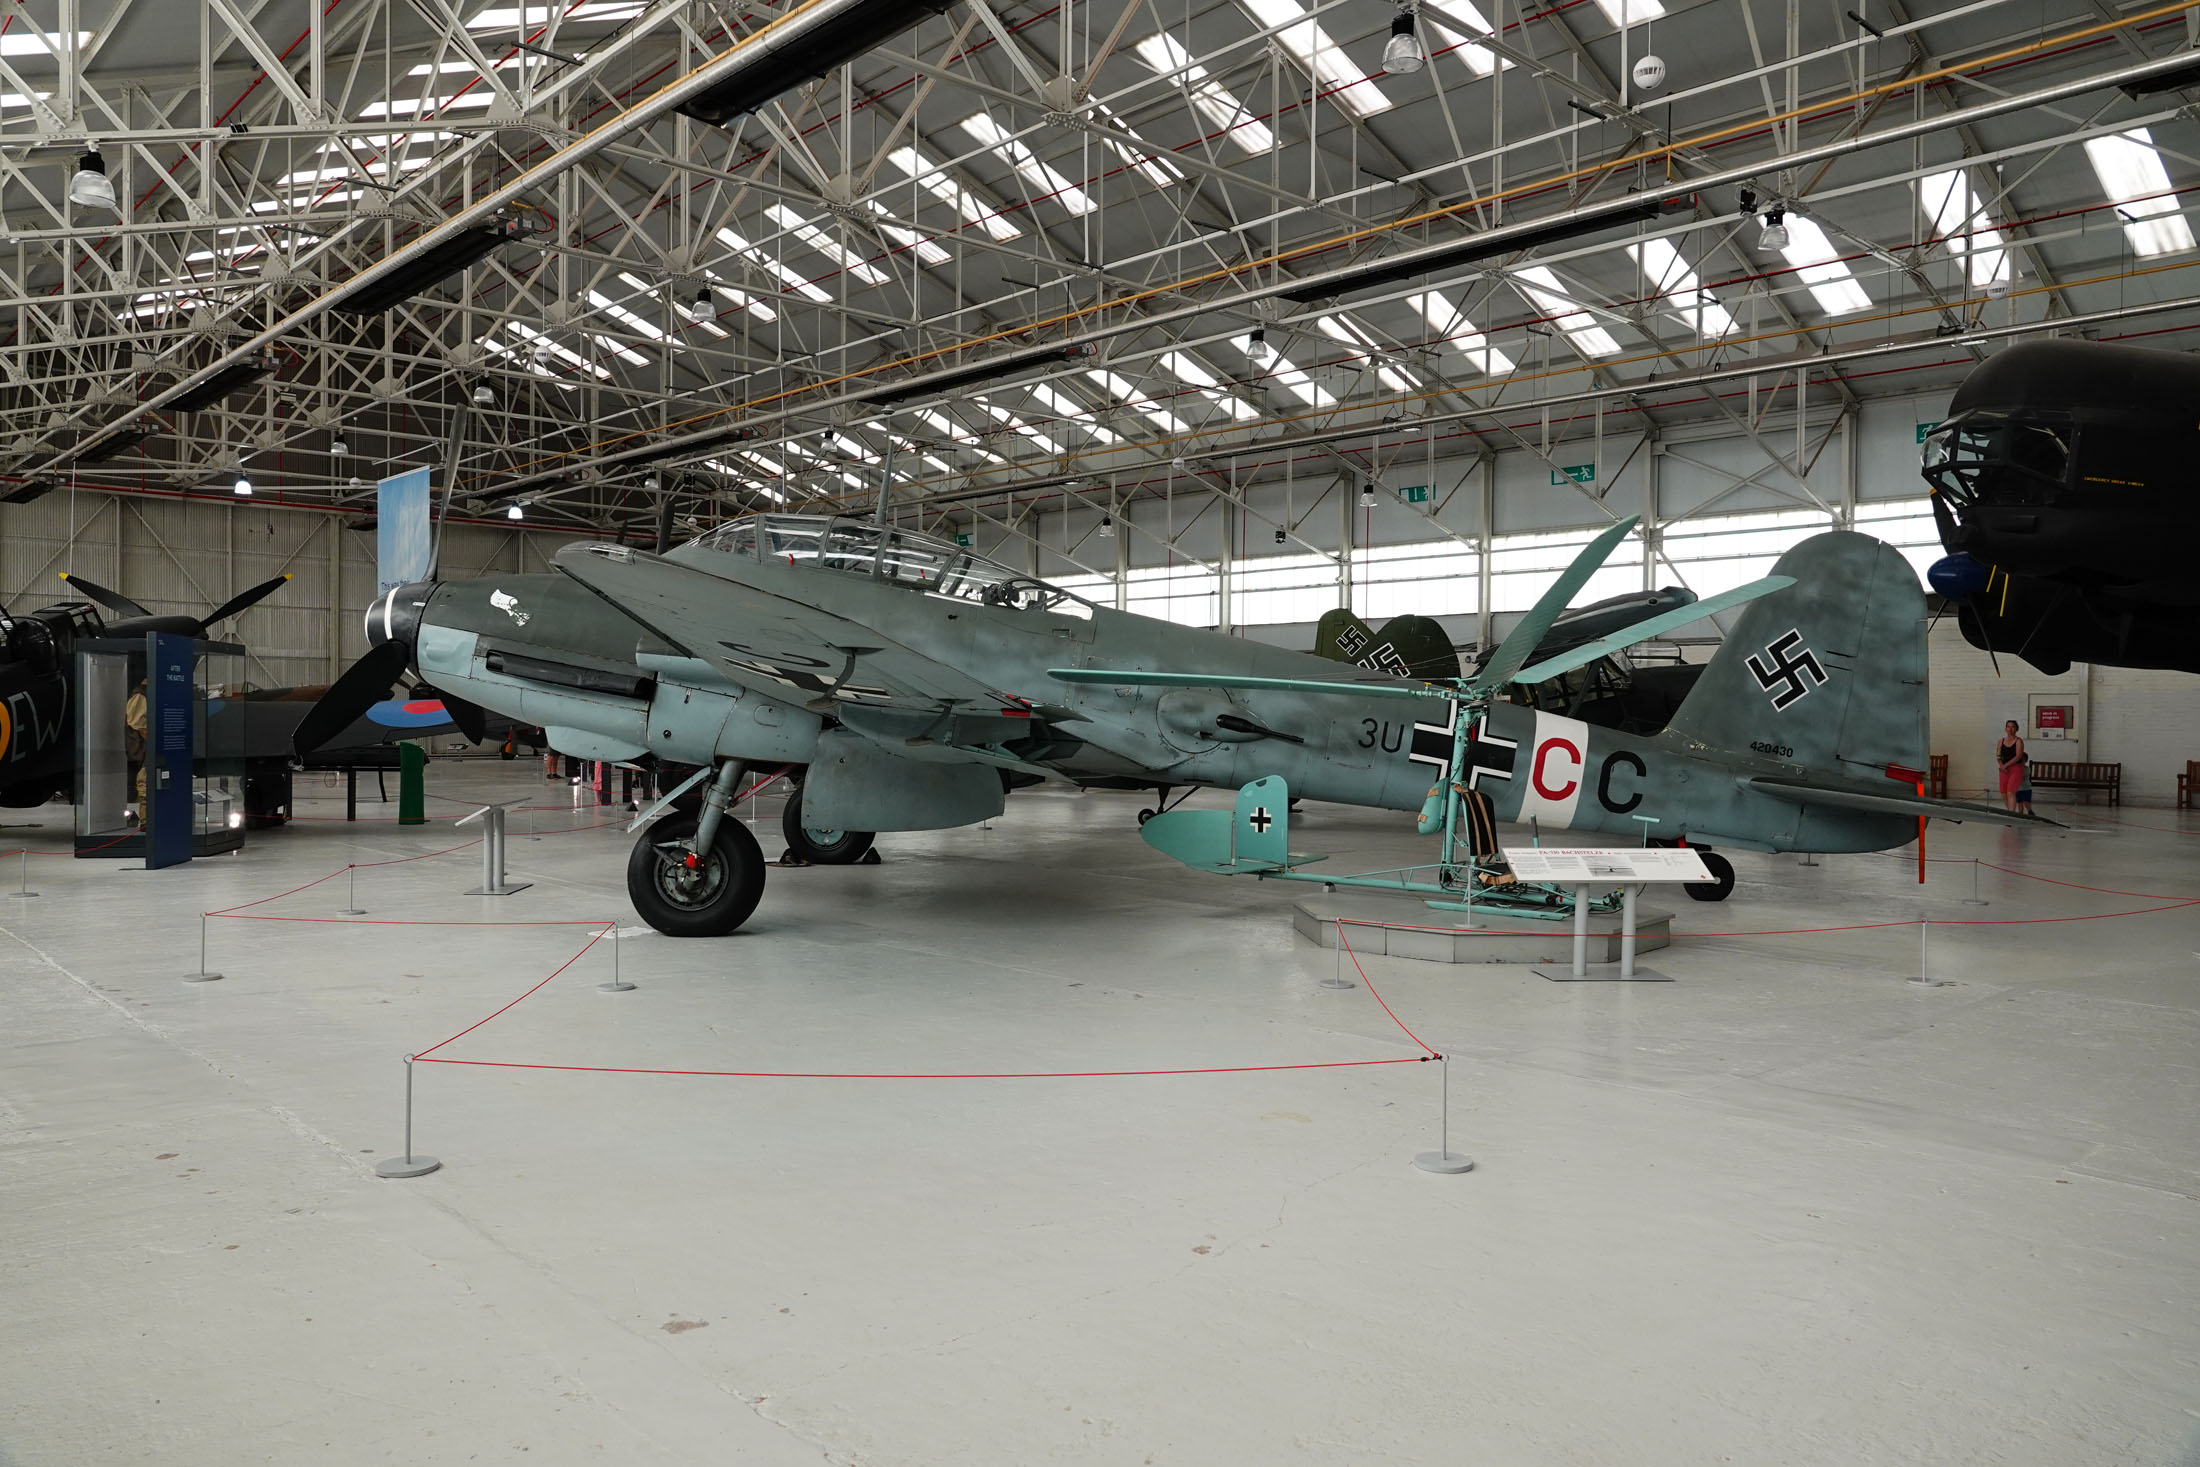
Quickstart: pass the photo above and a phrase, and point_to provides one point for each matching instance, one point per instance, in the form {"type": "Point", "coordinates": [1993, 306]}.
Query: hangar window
{"type": "Point", "coordinates": [1907, 525]}
{"type": "Point", "coordinates": [1273, 589]}
{"type": "Point", "coordinates": [1426, 578]}
{"type": "Point", "coordinates": [1721, 552]}
{"type": "Point", "coordinates": [1523, 567]}
{"type": "Point", "coordinates": [1188, 595]}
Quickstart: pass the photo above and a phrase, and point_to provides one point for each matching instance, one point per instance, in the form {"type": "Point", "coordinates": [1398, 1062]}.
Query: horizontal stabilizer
{"type": "Point", "coordinates": [1130, 679]}
{"type": "Point", "coordinates": [1807, 793]}
{"type": "Point", "coordinates": [1251, 839]}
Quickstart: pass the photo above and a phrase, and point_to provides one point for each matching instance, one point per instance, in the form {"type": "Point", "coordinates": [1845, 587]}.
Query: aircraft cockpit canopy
{"type": "Point", "coordinates": [897, 557]}
{"type": "Point", "coordinates": [1994, 457]}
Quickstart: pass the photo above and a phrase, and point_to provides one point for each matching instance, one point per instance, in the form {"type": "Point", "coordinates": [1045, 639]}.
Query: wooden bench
{"type": "Point", "coordinates": [1937, 781]}
{"type": "Point", "coordinates": [2070, 775]}
{"type": "Point", "coordinates": [2188, 784]}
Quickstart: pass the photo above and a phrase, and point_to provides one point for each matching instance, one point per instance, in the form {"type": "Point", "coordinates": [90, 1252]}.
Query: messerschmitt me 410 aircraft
{"type": "Point", "coordinates": [914, 683]}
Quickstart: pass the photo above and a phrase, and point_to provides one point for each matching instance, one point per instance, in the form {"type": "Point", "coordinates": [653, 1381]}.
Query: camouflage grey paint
{"type": "Point", "coordinates": [1823, 680]}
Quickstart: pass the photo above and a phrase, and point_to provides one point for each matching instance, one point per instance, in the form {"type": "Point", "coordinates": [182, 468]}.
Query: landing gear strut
{"type": "Point", "coordinates": [698, 875]}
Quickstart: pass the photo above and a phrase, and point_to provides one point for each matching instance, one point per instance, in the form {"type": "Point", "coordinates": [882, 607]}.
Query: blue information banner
{"type": "Point", "coordinates": [402, 546]}
{"type": "Point", "coordinates": [169, 699]}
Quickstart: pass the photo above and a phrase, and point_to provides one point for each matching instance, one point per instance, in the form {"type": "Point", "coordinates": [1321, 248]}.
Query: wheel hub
{"type": "Point", "coordinates": [685, 879]}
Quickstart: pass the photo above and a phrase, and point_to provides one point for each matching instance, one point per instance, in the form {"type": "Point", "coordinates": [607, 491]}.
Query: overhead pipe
{"type": "Point", "coordinates": [791, 41]}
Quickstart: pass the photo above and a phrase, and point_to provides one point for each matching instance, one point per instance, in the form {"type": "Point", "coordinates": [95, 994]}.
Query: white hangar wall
{"type": "Point", "coordinates": [177, 555]}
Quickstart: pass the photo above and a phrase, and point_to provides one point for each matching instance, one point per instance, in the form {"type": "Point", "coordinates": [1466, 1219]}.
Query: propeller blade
{"type": "Point", "coordinates": [242, 600]}
{"type": "Point", "coordinates": [1520, 643]}
{"type": "Point", "coordinates": [471, 718]}
{"type": "Point", "coordinates": [1260, 684]}
{"type": "Point", "coordinates": [364, 684]}
{"type": "Point", "coordinates": [114, 601]}
{"type": "Point", "coordinates": [1656, 626]}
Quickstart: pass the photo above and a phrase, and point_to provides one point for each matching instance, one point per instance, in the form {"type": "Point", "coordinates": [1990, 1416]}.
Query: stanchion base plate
{"type": "Point", "coordinates": [1338, 983]}
{"type": "Point", "coordinates": [1604, 973]}
{"type": "Point", "coordinates": [22, 893]}
{"type": "Point", "coordinates": [200, 977]}
{"type": "Point", "coordinates": [1976, 902]}
{"type": "Point", "coordinates": [351, 911]}
{"type": "Point", "coordinates": [621, 987]}
{"type": "Point", "coordinates": [499, 890]}
{"type": "Point", "coordinates": [1930, 983]}
{"type": "Point", "coordinates": [1448, 1163]}
{"type": "Point", "coordinates": [406, 1166]}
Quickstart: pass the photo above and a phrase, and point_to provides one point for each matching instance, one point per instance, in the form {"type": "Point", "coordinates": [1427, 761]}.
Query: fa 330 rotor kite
{"type": "Point", "coordinates": [913, 683]}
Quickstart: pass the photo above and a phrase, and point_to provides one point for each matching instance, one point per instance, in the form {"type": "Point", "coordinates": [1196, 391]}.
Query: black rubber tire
{"type": "Point", "coordinates": [846, 850]}
{"type": "Point", "coordinates": [1721, 884]}
{"type": "Point", "coordinates": [731, 881]}
{"type": "Point", "coordinates": [1146, 815]}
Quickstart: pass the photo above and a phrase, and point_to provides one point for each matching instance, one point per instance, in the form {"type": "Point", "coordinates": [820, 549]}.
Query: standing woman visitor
{"type": "Point", "coordinates": [2010, 753]}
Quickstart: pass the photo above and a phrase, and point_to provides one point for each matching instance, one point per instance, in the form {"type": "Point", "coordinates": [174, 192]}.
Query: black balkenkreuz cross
{"type": "Point", "coordinates": [1432, 741]}
{"type": "Point", "coordinates": [1490, 755]}
{"type": "Point", "coordinates": [1788, 673]}
{"type": "Point", "coordinates": [1260, 820]}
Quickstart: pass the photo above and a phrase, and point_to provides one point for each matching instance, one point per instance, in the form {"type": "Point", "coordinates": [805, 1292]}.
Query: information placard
{"type": "Point", "coordinates": [1576, 866]}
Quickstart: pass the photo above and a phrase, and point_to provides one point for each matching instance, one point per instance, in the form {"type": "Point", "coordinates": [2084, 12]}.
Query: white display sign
{"type": "Point", "coordinates": [1575, 866]}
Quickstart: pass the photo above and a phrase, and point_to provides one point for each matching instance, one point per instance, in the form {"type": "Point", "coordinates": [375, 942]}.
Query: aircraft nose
{"type": "Point", "coordinates": [395, 615]}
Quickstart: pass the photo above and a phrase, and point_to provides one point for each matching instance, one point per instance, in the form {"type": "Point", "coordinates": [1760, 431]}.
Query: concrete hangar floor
{"type": "Point", "coordinates": [1789, 1208]}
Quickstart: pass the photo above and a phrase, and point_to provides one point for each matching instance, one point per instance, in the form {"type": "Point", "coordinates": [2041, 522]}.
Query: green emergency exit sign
{"type": "Point", "coordinates": [1414, 494]}
{"type": "Point", "coordinates": [1574, 474]}
{"type": "Point", "coordinates": [963, 540]}
{"type": "Point", "coordinates": [1924, 429]}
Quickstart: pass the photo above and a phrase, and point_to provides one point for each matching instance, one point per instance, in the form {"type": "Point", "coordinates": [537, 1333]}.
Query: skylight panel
{"type": "Point", "coordinates": [765, 462]}
{"type": "Point", "coordinates": [933, 180]}
{"type": "Point", "coordinates": [1293, 379]}
{"type": "Point", "coordinates": [1127, 392]}
{"type": "Point", "coordinates": [1303, 37]}
{"type": "Point", "coordinates": [1452, 327]}
{"type": "Point", "coordinates": [852, 448]}
{"type": "Point", "coordinates": [1819, 266]}
{"type": "Point", "coordinates": [1959, 218]}
{"type": "Point", "coordinates": [832, 249]}
{"type": "Point", "coordinates": [24, 43]}
{"type": "Point", "coordinates": [1035, 174]}
{"type": "Point", "coordinates": [650, 290]}
{"type": "Point", "coordinates": [1580, 327]}
{"type": "Point", "coordinates": [926, 251]}
{"type": "Point", "coordinates": [1072, 411]}
{"type": "Point", "coordinates": [1348, 331]}
{"type": "Point", "coordinates": [1668, 276]}
{"type": "Point", "coordinates": [937, 422]}
{"type": "Point", "coordinates": [637, 324]}
{"type": "Point", "coordinates": [1185, 369]}
{"type": "Point", "coordinates": [1157, 168]}
{"type": "Point", "coordinates": [1018, 425]}
{"type": "Point", "coordinates": [1213, 101]}
{"type": "Point", "coordinates": [541, 346]}
{"type": "Point", "coordinates": [406, 107]}
{"type": "Point", "coordinates": [2134, 179]}
{"type": "Point", "coordinates": [509, 17]}
{"type": "Point", "coordinates": [792, 279]}
{"type": "Point", "coordinates": [620, 350]}
{"type": "Point", "coordinates": [1630, 12]}
{"type": "Point", "coordinates": [1480, 60]}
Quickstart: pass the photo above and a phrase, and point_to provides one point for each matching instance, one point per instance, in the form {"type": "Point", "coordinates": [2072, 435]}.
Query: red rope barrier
{"type": "Point", "coordinates": [1370, 984]}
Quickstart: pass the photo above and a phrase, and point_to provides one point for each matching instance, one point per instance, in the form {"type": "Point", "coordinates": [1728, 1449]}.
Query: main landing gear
{"type": "Point", "coordinates": [698, 875]}
{"type": "Point", "coordinates": [814, 845]}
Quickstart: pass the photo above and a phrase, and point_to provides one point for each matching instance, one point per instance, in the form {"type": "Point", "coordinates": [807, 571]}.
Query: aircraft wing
{"type": "Point", "coordinates": [1805, 792]}
{"type": "Point", "coordinates": [789, 650]}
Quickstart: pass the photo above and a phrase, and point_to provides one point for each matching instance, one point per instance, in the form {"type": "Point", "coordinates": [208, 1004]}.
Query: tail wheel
{"type": "Point", "coordinates": [1721, 884]}
{"type": "Point", "coordinates": [685, 894]}
{"type": "Point", "coordinates": [818, 845]}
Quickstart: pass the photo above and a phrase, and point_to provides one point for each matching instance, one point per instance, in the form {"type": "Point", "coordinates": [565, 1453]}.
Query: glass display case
{"type": "Point", "coordinates": [160, 748]}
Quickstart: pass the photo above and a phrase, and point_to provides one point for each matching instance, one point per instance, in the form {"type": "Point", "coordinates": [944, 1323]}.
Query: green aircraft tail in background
{"type": "Point", "coordinates": [1407, 646]}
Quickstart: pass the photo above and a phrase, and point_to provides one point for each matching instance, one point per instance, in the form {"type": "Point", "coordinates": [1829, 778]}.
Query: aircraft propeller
{"type": "Point", "coordinates": [129, 610]}
{"type": "Point", "coordinates": [367, 682]}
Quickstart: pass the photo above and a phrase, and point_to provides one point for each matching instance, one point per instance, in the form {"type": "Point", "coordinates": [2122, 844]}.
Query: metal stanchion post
{"type": "Point", "coordinates": [1581, 932]}
{"type": "Point", "coordinates": [26, 881]}
{"type": "Point", "coordinates": [1444, 1159]}
{"type": "Point", "coordinates": [1974, 899]}
{"type": "Point", "coordinates": [1925, 978]}
{"type": "Point", "coordinates": [1340, 981]}
{"type": "Point", "coordinates": [617, 984]}
{"type": "Point", "coordinates": [354, 910]}
{"type": "Point", "coordinates": [408, 1165]}
{"type": "Point", "coordinates": [203, 975]}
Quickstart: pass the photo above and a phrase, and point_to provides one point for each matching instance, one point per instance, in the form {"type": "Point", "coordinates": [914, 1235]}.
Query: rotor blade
{"type": "Point", "coordinates": [1219, 680]}
{"type": "Point", "coordinates": [1656, 626]}
{"type": "Point", "coordinates": [243, 599]}
{"type": "Point", "coordinates": [364, 684]}
{"type": "Point", "coordinates": [1520, 643]}
{"type": "Point", "coordinates": [114, 601]}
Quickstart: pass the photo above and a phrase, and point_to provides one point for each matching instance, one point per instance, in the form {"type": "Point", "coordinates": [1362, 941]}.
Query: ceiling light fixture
{"type": "Point", "coordinates": [1256, 345]}
{"type": "Point", "coordinates": [243, 486]}
{"type": "Point", "coordinates": [1107, 527]}
{"type": "Point", "coordinates": [1281, 537]}
{"type": "Point", "coordinates": [1367, 496]}
{"type": "Point", "coordinates": [483, 397]}
{"type": "Point", "coordinates": [1775, 236]}
{"type": "Point", "coordinates": [1405, 54]}
{"type": "Point", "coordinates": [700, 309]}
{"type": "Point", "coordinates": [338, 446]}
{"type": "Point", "coordinates": [515, 511]}
{"type": "Point", "coordinates": [91, 188]}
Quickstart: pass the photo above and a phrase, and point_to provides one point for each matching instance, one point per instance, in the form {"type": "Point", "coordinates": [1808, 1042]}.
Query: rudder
{"type": "Point", "coordinates": [1829, 673]}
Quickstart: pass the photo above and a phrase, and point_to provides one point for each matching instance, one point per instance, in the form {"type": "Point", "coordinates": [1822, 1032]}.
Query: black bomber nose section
{"type": "Point", "coordinates": [395, 615]}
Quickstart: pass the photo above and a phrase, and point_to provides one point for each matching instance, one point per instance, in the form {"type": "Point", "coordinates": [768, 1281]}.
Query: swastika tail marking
{"type": "Point", "coordinates": [1794, 676]}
